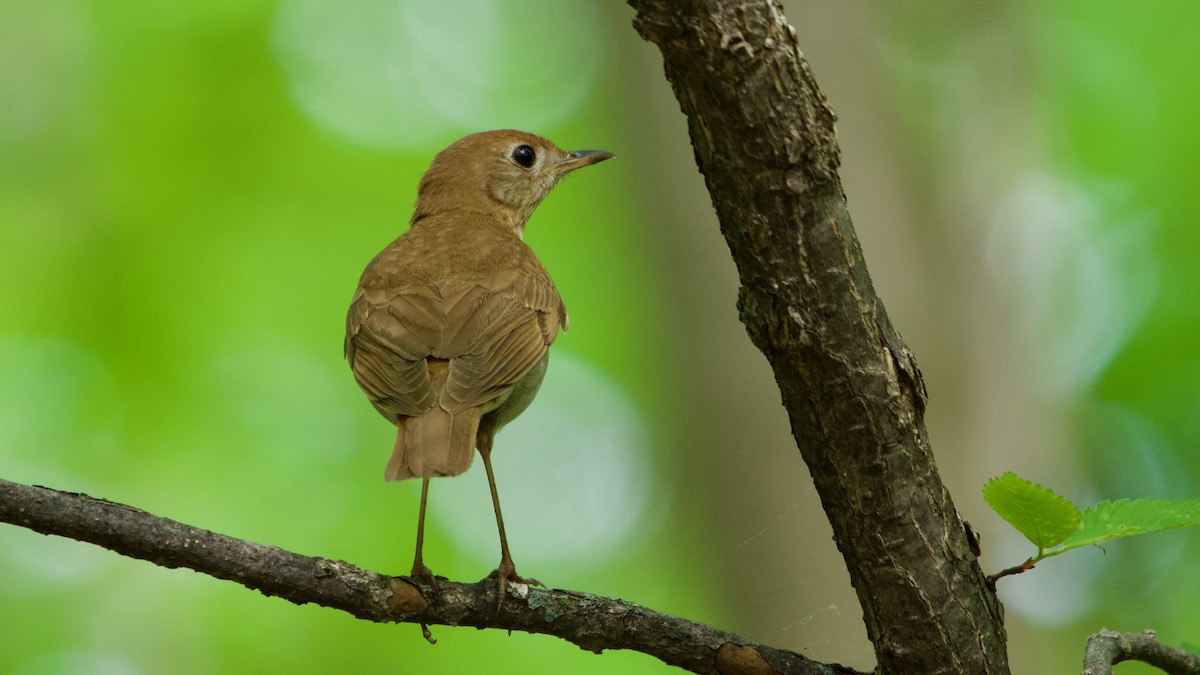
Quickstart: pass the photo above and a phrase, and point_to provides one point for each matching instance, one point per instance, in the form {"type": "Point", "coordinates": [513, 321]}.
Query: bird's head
{"type": "Point", "coordinates": [506, 170]}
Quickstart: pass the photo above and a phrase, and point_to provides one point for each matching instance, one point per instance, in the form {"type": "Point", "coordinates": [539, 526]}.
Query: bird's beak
{"type": "Point", "coordinates": [579, 158]}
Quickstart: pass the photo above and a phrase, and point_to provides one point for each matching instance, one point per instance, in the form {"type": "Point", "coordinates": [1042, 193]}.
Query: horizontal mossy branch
{"type": "Point", "coordinates": [592, 622]}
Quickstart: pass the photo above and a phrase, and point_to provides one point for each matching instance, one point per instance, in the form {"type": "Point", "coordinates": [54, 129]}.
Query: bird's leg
{"type": "Point", "coordinates": [506, 572]}
{"type": "Point", "coordinates": [419, 570]}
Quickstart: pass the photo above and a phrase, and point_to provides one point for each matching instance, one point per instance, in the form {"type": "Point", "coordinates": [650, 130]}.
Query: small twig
{"type": "Point", "coordinates": [592, 622]}
{"type": "Point", "coordinates": [1108, 647]}
{"type": "Point", "coordinates": [1008, 571]}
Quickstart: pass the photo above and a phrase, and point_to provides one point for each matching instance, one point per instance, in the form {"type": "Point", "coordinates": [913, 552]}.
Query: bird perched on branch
{"type": "Point", "coordinates": [449, 331]}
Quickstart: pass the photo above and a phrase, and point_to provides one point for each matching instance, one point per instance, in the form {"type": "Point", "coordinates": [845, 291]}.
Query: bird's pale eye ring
{"type": "Point", "coordinates": [524, 156]}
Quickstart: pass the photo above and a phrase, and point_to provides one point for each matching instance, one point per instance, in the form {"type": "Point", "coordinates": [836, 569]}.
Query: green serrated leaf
{"type": "Point", "coordinates": [1124, 518]}
{"type": "Point", "coordinates": [1045, 518]}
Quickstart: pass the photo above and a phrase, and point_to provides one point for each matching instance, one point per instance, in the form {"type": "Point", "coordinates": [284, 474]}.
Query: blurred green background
{"type": "Point", "coordinates": [188, 194]}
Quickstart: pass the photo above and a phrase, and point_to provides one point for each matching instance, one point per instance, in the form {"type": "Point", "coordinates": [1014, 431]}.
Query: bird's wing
{"type": "Point", "coordinates": [496, 332]}
{"type": "Point", "coordinates": [389, 334]}
{"type": "Point", "coordinates": [533, 288]}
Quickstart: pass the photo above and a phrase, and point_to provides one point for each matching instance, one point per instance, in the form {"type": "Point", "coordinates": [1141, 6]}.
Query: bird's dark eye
{"type": "Point", "coordinates": [524, 155]}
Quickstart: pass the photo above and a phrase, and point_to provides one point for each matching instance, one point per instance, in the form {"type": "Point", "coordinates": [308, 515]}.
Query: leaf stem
{"type": "Point", "coordinates": [1015, 569]}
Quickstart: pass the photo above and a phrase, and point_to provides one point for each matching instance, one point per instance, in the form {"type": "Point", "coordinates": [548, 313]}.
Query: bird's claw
{"type": "Point", "coordinates": [424, 575]}
{"type": "Point", "coordinates": [506, 574]}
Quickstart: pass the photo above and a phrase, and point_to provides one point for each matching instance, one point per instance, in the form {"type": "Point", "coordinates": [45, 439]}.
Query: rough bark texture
{"type": "Point", "coordinates": [1108, 647]}
{"type": "Point", "coordinates": [592, 622]}
{"type": "Point", "coordinates": [764, 139]}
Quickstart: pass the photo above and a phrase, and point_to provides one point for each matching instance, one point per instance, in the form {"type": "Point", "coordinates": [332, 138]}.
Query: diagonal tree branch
{"type": "Point", "coordinates": [592, 622]}
{"type": "Point", "coordinates": [764, 138]}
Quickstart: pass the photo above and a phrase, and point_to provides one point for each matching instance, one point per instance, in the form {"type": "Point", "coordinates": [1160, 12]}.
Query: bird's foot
{"type": "Point", "coordinates": [425, 576]}
{"type": "Point", "coordinates": [506, 574]}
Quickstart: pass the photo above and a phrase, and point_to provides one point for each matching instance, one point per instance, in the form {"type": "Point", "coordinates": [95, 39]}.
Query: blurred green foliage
{"type": "Point", "coordinates": [179, 244]}
{"type": "Point", "coordinates": [180, 234]}
{"type": "Point", "coordinates": [1100, 99]}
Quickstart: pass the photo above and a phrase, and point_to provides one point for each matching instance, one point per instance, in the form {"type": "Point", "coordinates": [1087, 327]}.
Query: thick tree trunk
{"type": "Point", "coordinates": [764, 139]}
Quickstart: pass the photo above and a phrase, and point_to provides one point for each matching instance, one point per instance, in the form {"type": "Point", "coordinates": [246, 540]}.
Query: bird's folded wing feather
{"type": "Point", "coordinates": [492, 330]}
{"type": "Point", "coordinates": [499, 329]}
{"type": "Point", "coordinates": [389, 334]}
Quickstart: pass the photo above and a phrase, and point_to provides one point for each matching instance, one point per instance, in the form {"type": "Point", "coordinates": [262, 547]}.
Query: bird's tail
{"type": "Point", "coordinates": [438, 443]}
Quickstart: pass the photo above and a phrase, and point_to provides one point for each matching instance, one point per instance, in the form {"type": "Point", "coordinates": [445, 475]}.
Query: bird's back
{"type": "Point", "coordinates": [447, 320]}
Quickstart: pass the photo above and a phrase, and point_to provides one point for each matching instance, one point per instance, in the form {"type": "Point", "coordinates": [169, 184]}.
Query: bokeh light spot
{"type": "Point", "coordinates": [283, 420]}
{"type": "Point", "coordinates": [1082, 282]}
{"type": "Point", "coordinates": [402, 73]}
{"type": "Point", "coordinates": [43, 60]}
{"type": "Point", "coordinates": [60, 417]}
{"type": "Point", "coordinates": [60, 410]}
{"type": "Point", "coordinates": [284, 402]}
{"type": "Point", "coordinates": [574, 473]}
